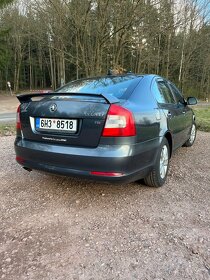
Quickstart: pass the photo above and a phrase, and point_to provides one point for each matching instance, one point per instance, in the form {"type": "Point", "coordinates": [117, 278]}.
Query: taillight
{"type": "Point", "coordinates": [119, 122]}
{"type": "Point", "coordinates": [20, 160]}
{"type": "Point", "coordinates": [107, 174]}
{"type": "Point", "coordinates": [18, 124]}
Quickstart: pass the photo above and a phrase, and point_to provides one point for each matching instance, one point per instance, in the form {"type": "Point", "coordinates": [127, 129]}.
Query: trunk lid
{"type": "Point", "coordinates": [85, 112]}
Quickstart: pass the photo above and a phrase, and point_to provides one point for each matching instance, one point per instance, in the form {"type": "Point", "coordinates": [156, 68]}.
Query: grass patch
{"type": "Point", "coordinates": [202, 118]}
{"type": "Point", "coordinates": [7, 129]}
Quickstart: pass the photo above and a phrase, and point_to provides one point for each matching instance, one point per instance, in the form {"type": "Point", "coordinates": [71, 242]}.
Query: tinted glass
{"type": "Point", "coordinates": [165, 95]}
{"type": "Point", "coordinates": [177, 94]}
{"type": "Point", "coordinates": [116, 86]}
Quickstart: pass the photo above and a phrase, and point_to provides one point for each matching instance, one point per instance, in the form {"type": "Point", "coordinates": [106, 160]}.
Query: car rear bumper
{"type": "Point", "coordinates": [131, 162]}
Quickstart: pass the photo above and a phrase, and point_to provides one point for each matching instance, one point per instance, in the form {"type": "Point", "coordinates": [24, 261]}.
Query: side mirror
{"type": "Point", "coordinates": [191, 101]}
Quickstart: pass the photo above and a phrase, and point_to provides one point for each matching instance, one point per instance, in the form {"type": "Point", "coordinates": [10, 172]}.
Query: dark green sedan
{"type": "Point", "coordinates": [113, 128]}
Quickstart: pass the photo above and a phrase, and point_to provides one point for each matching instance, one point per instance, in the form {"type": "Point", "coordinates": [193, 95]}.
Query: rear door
{"type": "Point", "coordinates": [184, 110]}
{"type": "Point", "coordinates": [174, 116]}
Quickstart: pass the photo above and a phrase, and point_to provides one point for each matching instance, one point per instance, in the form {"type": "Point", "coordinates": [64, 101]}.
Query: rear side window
{"type": "Point", "coordinates": [165, 95]}
{"type": "Point", "coordinates": [116, 86]}
{"type": "Point", "coordinates": [177, 94]}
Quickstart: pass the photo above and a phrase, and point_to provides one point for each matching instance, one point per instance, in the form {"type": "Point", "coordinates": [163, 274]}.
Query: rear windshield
{"type": "Point", "coordinates": [116, 86]}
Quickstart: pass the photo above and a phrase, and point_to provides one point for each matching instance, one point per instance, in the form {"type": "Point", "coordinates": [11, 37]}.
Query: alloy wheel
{"type": "Point", "coordinates": [192, 134]}
{"type": "Point", "coordinates": [164, 159]}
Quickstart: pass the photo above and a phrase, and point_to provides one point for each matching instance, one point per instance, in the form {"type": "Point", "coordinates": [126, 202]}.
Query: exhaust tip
{"type": "Point", "coordinates": [27, 169]}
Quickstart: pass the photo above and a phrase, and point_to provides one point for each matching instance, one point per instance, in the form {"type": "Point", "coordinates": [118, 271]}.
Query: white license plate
{"type": "Point", "coordinates": [56, 124]}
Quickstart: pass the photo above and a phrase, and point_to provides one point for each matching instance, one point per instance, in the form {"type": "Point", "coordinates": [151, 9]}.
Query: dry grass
{"type": "Point", "coordinates": [203, 118]}
{"type": "Point", "coordinates": [7, 129]}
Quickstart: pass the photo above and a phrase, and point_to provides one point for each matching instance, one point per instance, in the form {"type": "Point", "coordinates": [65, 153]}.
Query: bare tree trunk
{"type": "Point", "coordinates": [168, 55]}
{"type": "Point", "coordinates": [52, 77]}
{"type": "Point", "coordinates": [54, 70]}
{"type": "Point", "coordinates": [181, 63]}
{"type": "Point", "coordinates": [159, 49]}
{"type": "Point", "coordinates": [77, 59]}
{"type": "Point", "coordinates": [30, 65]}
{"type": "Point", "coordinates": [17, 78]}
{"type": "Point", "coordinates": [62, 67]}
{"type": "Point", "coordinates": [15, 72]}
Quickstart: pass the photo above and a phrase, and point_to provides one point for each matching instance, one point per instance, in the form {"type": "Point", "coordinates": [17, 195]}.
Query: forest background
{"type": "Point", "coordinates": [46, 43]}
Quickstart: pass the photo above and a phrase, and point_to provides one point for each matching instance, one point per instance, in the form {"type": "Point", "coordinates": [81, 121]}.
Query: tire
{"type": "Point", "coordinates": [192, 137]}
{"type": "Point", "coordinates": [158, 175]}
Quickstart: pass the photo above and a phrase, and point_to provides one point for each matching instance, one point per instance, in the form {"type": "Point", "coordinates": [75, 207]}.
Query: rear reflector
{"type": "Point", "coordinates": [20, 159]}
{"type": "Point", "coordinates": [119, 122]}
{"type": "Point", "coordinates": [108, 174]}
{"type": "Point", "coordinates": [18, 124]}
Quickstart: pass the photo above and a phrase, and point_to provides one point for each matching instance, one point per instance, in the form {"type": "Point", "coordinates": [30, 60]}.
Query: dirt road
{"type": "Point", "coordinates": [55, 227]}
{"type": "Point", "coordinates": [8, 104]}
{"type": "Point", "coordinates": [8, 108]}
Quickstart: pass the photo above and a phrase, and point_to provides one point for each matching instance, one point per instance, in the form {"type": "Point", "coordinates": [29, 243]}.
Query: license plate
{"type": "Point", "coordinates": [56, 124]}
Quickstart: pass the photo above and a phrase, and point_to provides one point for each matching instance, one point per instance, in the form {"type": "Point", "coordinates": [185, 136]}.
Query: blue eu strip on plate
{"type": "Point", "coordinates": [37, 122]}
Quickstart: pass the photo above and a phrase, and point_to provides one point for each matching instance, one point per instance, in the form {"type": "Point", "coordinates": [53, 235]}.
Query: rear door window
{"type": "Point", "coordinates": [178, 96]}
{"type": "Point", "coordinates": [164, 94]}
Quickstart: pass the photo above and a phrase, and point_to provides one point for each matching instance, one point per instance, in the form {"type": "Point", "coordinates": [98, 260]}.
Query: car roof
{"type": "Point", "coordinates": [121, 75]}
{"type": "Point", "coordinates": [149, 77]}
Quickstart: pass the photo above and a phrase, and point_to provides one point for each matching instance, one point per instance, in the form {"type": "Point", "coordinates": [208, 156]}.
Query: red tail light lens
{"type": "Point", "coordinates": [119, 122]}
{"type": "Point", "coordinates": [20, 159]}
{"type": "Point", "coordinates": [106, 174]}
{"type": "Point", "coordinates": [18, 124]}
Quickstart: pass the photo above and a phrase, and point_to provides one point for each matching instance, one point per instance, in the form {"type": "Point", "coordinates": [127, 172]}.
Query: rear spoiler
{"type": "Point", "coordinates": [26, 97]}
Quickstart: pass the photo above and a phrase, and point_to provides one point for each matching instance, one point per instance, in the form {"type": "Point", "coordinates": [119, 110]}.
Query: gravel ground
{"type": "Point", "coordinates": [55, 227]}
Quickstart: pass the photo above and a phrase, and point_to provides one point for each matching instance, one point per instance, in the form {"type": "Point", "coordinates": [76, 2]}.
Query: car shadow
{"type": "Point", "coordinates": [70, 190]}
